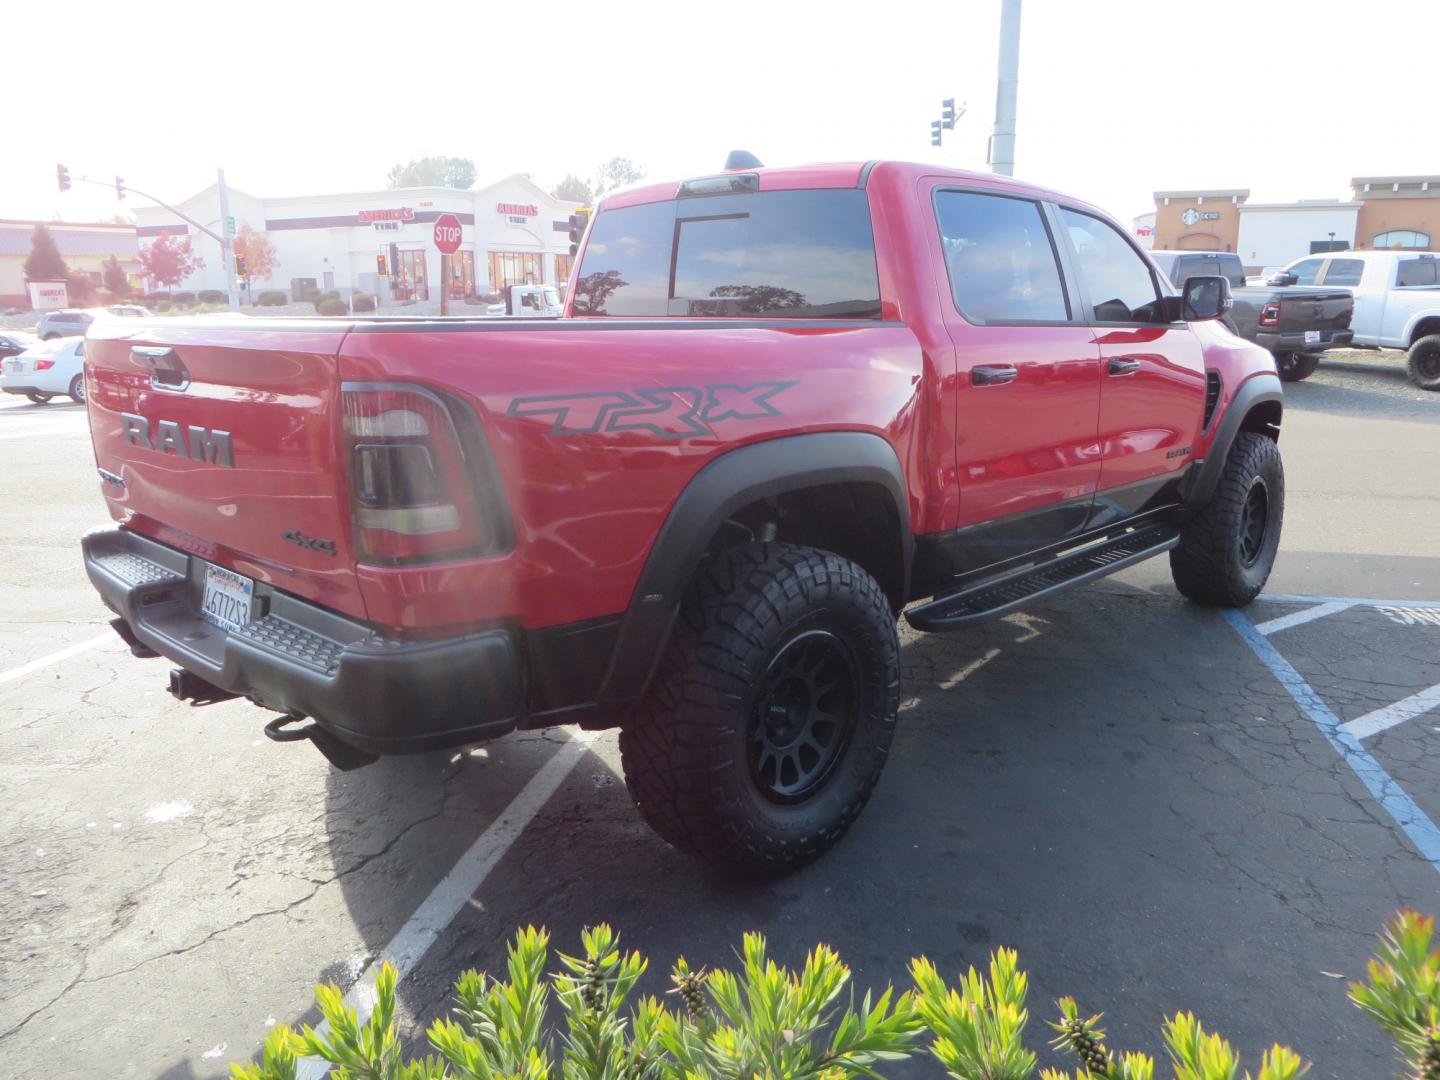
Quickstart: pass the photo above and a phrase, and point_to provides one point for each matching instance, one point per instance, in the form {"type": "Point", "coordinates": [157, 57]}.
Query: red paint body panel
{"type": "Point", "coordinates": [588, 496]}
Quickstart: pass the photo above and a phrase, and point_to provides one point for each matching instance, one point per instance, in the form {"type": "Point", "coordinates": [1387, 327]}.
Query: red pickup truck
{"type": "Point", "coordinates": [783, 407]}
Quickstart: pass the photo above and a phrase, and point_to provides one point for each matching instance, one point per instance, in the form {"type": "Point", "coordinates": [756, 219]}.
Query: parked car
{"type": "Point", "coordinates": [783, 405]}
{"type": "Point", "coordinates": [1295, 324]}
{"type": "Point", "coordinates": [46, 370]}
{"type": "Point", "coordinates": [1397, 301]}
{"type": "Point", "coordinates": [69, 322]}
{"type": "Point", "coordinates": [14, 342]}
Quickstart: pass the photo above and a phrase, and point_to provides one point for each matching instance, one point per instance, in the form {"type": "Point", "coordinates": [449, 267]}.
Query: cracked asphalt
{"type": "Point", "coordinates": [1112, 782]}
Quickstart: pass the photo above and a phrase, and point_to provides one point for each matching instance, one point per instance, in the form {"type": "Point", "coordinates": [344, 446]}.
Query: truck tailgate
{"type": "Point", "coordinates": [209, 429]}
{"type": "Point", "coordinates": [1315, 311]}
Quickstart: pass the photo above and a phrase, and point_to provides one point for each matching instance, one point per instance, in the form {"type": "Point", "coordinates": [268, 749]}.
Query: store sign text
{"type": "Point", "coordinates": [395, 213]}
{"type": "Point", "coordinates": [518, 213]}
{"type": "Point", "coordinates": [387, 226]}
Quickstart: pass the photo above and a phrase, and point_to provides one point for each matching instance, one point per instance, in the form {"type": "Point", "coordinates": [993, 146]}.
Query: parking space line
{"type": "Point", "coordinates": [55, 657]}
{"type": "Point", "coordinates": [1372, 723]}
{"type": "Point", "coordinates": [456, 888]}
{"type": "Point", "coordinates": [1351, 601]}
{"type": "Point", "coordinates": [1299, 618]}
{"type": "Point", "coordinates": [1422, 831]}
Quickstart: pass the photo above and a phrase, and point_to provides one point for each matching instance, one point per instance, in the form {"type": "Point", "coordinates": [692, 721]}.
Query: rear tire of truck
{"type": "Point", "coordinates": [1227, 547]}
{"type": "Point", "coordinates": [1296, 366]}
{"type": "Point", "coordinates": [39, 399]}
{"type": "Point", "coordinates": [771, 715]}
{"type": "Point", "coordinates": [1422, 363]}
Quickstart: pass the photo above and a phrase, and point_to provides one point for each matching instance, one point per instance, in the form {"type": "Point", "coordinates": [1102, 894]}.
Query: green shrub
{"type": "Point", "coordinates": [332, 305]}
{"type": "Point", "coordinates": [272, 298]}
{"type": "Point", "coordinates": [161, 306]}
{"type": "Point", "coordinates": [362, 301]}
{"type": "Point", "coordinates": [310, 295]}
{"type": "Point", "coordinates": [183, 298]}
{"type": "Point", "coordinates": [212, 296]}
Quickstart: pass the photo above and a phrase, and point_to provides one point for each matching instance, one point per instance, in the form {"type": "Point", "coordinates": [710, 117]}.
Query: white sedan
{"type": "Point", "coordinates": [46, 370]}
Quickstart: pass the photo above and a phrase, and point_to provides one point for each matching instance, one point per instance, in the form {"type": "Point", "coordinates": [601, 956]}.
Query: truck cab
{"type": "Point", "coordinates": [529, 302]}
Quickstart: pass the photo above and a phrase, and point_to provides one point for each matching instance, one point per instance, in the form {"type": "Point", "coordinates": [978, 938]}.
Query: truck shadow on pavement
{"type": "Point", "coordinates": [1111, 783]}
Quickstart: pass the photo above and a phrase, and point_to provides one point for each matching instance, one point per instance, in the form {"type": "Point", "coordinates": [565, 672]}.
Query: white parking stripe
{"type": "Point", "coordinates": [455, 889]}
{"type": "Point", "coordinates": [1372, 723]}
{"type": "Point", "coordinates": [55, 657]}
{"type": "Point", "coordinates": [1299, 618]}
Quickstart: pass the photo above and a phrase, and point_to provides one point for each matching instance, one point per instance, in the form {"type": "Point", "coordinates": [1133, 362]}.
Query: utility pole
{"type": "Point", "coordinates": [1007, 87]}
{"type": "Point", "coordinates": [227, 243]}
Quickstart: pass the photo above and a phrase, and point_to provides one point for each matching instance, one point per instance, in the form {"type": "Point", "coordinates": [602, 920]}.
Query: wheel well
{"type": "Point", "coordinates": [1264, 419]}
{"type": "Point", "coordinates": [855, 520]}
{"type": "Point", "coordinates": [1424, 328]}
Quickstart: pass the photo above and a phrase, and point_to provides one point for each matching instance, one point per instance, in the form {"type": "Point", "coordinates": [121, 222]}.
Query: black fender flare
{"type": "Point", "coordinates": [1255, 390]}
{"type": "Point", "coordinates": [713, 495]}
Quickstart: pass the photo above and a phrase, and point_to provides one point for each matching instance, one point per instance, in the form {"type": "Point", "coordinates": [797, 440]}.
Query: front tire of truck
{"type": "Point", "coordinates": [1227, 547]}
{"type": "Point", "coordinates": [771, 715]}
{"type": "Point", "coordinates": [1296, 366]}
{"type": "Point", "coordinates": [1422, 363]}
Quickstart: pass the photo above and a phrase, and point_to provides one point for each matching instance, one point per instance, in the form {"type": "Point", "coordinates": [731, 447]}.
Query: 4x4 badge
{"type": "Point", "coordinates": [672, 412]}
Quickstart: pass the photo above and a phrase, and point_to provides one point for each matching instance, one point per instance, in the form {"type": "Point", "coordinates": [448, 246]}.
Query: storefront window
{"type": "Point", "coordinates": [562, 269]}
{"type": "Point", "coordinates": [409, 282]}
{"type": "Point", "coordinates": [516, 268]}
{"type": "Point", "coordinates": [462, 274]}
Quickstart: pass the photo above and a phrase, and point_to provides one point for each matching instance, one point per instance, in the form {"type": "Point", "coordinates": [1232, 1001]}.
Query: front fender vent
{"type": "Point", "coordinates": [1212, 395]}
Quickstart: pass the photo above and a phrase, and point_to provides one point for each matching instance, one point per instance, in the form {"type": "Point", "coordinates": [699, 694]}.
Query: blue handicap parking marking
{"type": "Point", "coordinates": [1402, 685]}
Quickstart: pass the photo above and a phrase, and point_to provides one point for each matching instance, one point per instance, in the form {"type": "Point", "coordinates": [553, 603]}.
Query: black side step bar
{"type": "Point", "coordinates": [998, 596]}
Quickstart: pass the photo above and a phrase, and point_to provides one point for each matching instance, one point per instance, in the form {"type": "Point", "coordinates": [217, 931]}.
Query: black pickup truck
{"type": "Point", "coordinates": [1296, 323]}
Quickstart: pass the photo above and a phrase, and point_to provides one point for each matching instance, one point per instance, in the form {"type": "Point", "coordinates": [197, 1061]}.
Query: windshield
{"type": "Point", "coordinates": [778, 254]}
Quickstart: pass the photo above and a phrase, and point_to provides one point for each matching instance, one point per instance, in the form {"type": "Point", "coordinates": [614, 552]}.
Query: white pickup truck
{"type": "Point", "coordinates": [1397, 301]}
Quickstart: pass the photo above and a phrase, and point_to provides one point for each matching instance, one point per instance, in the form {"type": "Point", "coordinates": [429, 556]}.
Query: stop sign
{"type": "Point", "coordinates": [447, 233]}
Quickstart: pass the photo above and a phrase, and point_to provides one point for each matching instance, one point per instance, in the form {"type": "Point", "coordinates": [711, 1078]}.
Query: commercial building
{"type": "Point", "coordinates": [1384, 212]}
{"type": "Point", "coordinates": [512, 233]}
{"type": "Point", "coordinates": [84, 247]}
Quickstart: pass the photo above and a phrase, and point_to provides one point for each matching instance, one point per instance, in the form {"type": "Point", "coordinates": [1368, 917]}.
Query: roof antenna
{"type": "Point", "coordinates": [742, 159]}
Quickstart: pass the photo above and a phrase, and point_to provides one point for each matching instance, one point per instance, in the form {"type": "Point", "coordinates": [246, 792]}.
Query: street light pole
{"type": "Point", "coordinates": [227, 244]}
{"type": "Point", "coordinates": [1007, 89]}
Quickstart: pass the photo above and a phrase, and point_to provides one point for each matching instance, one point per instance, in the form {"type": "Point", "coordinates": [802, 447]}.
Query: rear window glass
{"type": "Point", "coordinates": [1418, 272]}
{"type": "Point", "coordinates": [1344, 272]}
{"type": "Point", "coordinates": [774, 254]}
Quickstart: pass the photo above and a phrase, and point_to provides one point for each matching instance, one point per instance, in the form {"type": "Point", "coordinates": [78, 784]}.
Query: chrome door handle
{"type": "Point", "coordinates": [992, 376]}
{"type": "Point", "coordinates": [1123, 365]}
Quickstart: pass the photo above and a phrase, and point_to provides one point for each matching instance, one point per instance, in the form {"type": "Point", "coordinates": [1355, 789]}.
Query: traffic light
{"type": "Point", "coordinates": [119, 188]}
{"type": "Point", "coordinates": [380, 267]}
{"type": "Point", "coordinates": [947, 114]}
{"type": "Point", "coordinates": [62, 174]}
{"type": "Point", "coordinates": [239, 265]}
{"type": "Point", "coordinates": [578, 221]}
{"type": "Point", "coordinates": [934, 132]}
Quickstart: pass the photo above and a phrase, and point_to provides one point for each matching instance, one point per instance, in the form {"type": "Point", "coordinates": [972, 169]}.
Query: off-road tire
{"type": "Point", "coordinates": [39, 399]}
{"type": "Point", "coordinates": [1296, 366]}
{"type": "Point", "coordinates": [77, 389]}
{"type": "Point", "coordinates": [1422, 362]}
{"type": "Point", "coordinates": [689, 749]}
{"type": "Point", "coordinates": [1220, 562]}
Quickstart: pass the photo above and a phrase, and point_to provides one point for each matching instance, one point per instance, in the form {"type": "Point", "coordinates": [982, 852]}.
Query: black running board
{"type": "Point", "coordinates": [999, 596]}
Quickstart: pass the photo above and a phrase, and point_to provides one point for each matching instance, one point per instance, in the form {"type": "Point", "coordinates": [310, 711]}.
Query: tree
{"type": "Point", "coordinates": [615, 174]}
{"type": "Point", "coordinates": [756, 298]}
{"type": "Point", "coordinates": [258, 253]}
{"type": "Point", "coordinates": [79, 287]}
{"type": "Point", "coordinates": [573, 189]}
{"type": "Point", "coordinates": [44, 262]}
{"type": "Point", "coordinates": [114, 276]}
{"type": "Point", "coordinates": [593, 290]}
{"type": "Point", "coordinates": [169, 260]}
{"type": "Point", "coordinates": [451, 172]}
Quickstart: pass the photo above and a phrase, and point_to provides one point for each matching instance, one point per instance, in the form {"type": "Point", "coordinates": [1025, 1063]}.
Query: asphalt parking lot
{"type": "Point", "coordinates": [1161, 807]}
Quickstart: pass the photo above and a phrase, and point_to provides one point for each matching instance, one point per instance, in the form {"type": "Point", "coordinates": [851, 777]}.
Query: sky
{"type": "Point", "coordinates": [1118, 98]}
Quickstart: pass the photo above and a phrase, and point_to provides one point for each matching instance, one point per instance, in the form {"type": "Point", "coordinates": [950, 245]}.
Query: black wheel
{"type": "Point", "coordinates": [1423, 362]}
{"type": "Point", "coordinates": [40, 399]}
{"type": "Point", "coordinates": [77, 389]}
{"type": "Point", "coordinates": [771, 715]}
{"type": "Point", "coordinates": [1296, 366]}
{"type": "Point", "coordinates": [1227, 547]}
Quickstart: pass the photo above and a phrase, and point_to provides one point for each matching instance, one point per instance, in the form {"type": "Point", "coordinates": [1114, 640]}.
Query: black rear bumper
{"type": "Point", "coordinates": [374, 693]}
{"type": "Point", "coordinates": [1294, 341]}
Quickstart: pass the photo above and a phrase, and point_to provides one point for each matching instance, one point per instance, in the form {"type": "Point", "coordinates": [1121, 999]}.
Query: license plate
{"type": "Point", "coordinates": [227, 598]}
{"type": "Point", "coordinates": [1312, 337]}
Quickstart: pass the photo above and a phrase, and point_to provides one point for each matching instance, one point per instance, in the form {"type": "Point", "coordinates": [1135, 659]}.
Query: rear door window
{"type": "Point", "coordinates": [1119, 282]}
{"type": "Point", "coordinates": [1344, 271]}
{"type": "Point", "coordinates": [1000, 259]}
{"type": "Point", "coordinates": [773, 254]}
{"type": "Point", "coordinates": [1306, 271]}
{"type": "Point", "coordinates": [1418, 272]}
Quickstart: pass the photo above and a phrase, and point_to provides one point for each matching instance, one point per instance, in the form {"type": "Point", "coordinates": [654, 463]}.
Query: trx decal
{"type": "Point", "coordinates": [671, 412]}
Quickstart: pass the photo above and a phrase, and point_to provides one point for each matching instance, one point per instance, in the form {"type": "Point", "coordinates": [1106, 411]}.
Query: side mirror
{"type": "Point", "coordinates": [1282, 278]}
{"type": "Point", "coordinates": [1207, 297]}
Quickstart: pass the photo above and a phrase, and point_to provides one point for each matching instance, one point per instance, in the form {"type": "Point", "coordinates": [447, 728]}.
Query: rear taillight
{"type": "Point", "coordinates": [1270, 315]}
{"type": "Point", "coordinates": [44, 365]}
{"type": "Point", "coordinates": [414, 483]}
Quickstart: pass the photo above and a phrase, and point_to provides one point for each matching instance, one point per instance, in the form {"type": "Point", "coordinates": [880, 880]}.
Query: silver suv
{"type": "Point", "coordinates": [73, 322]}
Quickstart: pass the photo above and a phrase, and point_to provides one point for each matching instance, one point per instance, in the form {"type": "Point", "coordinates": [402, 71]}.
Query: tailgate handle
{"type": "Point", "coordinates": [167, 370]}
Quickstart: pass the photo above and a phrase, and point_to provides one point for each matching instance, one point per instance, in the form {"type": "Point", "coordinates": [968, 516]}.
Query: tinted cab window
{"type": "Point", "coordinates": [1306, 271]}
{"type": "Point", "coordinates": [1418, 272]}
{"type": "Point", "coordinates": [1120, 284]}
{"type": "Point", "coordinates": [774, 254]}
{"type": "Point", "coordinates": [1000, 259]}
{"type": "Point", "coordinates": [1344, 272]}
